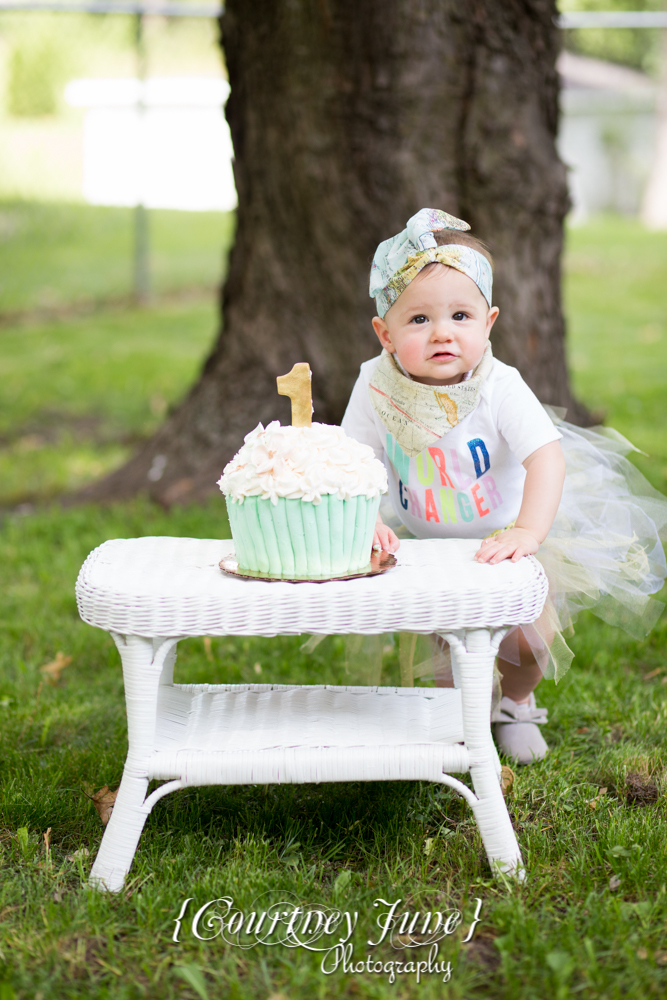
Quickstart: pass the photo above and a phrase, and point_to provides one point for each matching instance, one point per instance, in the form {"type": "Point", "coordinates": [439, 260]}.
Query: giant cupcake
{"type": "Point", "coordinates": [303, 501]}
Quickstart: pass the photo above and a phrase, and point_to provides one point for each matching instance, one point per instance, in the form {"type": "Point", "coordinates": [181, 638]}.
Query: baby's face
{"type": "Point", "coordinates": [438, 326]}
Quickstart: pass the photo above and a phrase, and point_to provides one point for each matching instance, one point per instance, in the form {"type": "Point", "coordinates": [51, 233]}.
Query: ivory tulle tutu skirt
{"type": "Point", "coordinates": [604, 553]}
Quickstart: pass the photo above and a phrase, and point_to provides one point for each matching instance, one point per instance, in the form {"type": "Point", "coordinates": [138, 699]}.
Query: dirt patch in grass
{"type": "Point", "coordinates": [639, 789]}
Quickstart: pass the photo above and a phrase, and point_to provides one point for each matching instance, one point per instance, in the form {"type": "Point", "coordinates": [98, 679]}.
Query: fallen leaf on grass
{"type": "Point", "coordinates": [642, 953]}
{"type": "Point", "coordinates": [47, 840]}
{"type": "Point", "coordinates": [428, 845]}
{"type": "Point", "coordinates": [593, 803]}
{"type": "Point", "coordinates": [83, 852]}
{"type": "Point", "coordinates": [103, 801]}
{"type": "Point", "coordinates": [54, 669]}
{"type": "Point", "coordinates": [506, 779]}
{"type": "Point", "coordinates": [614, 882]}
{"type": "Point", "coordinates": [652, 674]}
{"type": "Point", "coordinates": [661, 957]}
{"type": "Point", "coordinates": [584, 729]}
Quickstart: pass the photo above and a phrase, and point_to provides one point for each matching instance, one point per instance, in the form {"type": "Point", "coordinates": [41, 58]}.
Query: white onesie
{"type": "Point", "coordinates": [470, 482]}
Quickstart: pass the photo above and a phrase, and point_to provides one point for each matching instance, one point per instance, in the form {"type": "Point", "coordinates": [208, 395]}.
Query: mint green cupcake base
{"type": "Point", "coordinates": [297, 539]}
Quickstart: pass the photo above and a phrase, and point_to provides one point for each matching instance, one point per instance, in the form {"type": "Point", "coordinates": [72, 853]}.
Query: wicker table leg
{"type": "Point", "coordinates": [146, 664]}
{"type": "Point", "coordinates": [473, 655]}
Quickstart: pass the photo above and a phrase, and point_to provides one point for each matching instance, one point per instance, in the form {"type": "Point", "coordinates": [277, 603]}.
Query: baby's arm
{"type": "Point", "coordinates": [545, 474]}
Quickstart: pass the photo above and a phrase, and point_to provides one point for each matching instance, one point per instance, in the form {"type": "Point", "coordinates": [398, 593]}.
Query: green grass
{"type": "Point", "coordinates": [616, 275]}
{"type": "Point", "coordinates": [76, 396]}
{"type": "Point", "coordinates": [59, 256]}
{"type": "Point", "coordinates": [78, 392]}
{"type": "Point", "coordinates": [568, 931]}
{"type": "Point", "coordinates": [564, 928]}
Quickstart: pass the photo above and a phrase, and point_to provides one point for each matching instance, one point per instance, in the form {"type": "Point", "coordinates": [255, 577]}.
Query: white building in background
{"type": "Point", "coordinates": [176, 151]}
{"type": "Point", "coordinates": [607, 134]}
{"type": "Point", "coordinates": [163, 143]}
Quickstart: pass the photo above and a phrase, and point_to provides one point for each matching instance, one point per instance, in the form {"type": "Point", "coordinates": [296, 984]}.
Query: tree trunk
{"type": "Point", "coordinates": [346, 119]}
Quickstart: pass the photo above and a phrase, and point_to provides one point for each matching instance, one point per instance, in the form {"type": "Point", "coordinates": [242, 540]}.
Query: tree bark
{"type": "Point", "coordinates": [346, 119]}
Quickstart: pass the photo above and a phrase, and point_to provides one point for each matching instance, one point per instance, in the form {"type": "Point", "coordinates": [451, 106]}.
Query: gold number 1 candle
{"type": "Point", "coordinates": [297, 385]}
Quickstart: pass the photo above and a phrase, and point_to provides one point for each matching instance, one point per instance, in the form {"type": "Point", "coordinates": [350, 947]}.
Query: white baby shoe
{"type": "Point", "coordinates": [515, 728]}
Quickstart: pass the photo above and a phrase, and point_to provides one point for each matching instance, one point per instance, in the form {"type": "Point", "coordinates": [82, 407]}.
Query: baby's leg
{"type": "Point", "coordinates": [517, 719]}
{"type": "Point", "coordinates": [520, 679]}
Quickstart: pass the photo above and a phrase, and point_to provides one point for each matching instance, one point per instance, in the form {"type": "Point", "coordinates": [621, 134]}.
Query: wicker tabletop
{"type": "Point", "coordinates": [174, 586]}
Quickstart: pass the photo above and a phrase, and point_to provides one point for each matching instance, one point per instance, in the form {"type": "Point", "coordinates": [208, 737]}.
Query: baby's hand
{"type": "Point", "coordinates": [511, 544]}
{"type": "Point", "coordinates": [384, 538]}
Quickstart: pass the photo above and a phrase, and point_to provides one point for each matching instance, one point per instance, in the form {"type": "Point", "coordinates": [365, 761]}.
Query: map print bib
{"type": "Point", "coordinates": [418, 415]}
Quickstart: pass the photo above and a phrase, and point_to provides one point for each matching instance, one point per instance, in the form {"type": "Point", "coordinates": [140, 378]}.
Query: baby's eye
{"type": "Point", "coordinates": [419, 319]}
{"type": "Point", "coordinates": [458, 316]}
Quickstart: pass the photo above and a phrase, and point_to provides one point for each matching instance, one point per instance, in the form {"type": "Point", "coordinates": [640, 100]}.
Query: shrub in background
{"type": "Point", "coordinates": [640, 48]}
{"type": "Point", "coordinates": [39, 66]}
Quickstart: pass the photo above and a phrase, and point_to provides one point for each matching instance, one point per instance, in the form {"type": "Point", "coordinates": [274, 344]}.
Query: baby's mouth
{"type": "Point", "coordinates": [443, 356]}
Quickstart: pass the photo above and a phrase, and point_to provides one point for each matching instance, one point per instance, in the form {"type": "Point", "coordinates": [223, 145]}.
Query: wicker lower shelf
{"type": "Point", "coordinates": [236, 734]}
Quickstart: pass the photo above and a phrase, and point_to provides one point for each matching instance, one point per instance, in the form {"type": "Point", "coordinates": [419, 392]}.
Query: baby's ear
{"type": "Point", "coordinates": [382, 332]}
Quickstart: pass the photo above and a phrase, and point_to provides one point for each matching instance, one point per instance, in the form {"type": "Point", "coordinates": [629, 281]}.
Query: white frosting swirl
{"type": "Point", "coordinates": [302, 463]}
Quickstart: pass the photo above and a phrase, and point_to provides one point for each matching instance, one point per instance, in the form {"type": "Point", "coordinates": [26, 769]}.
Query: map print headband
{"type": "Point", "coordinates": [399, 260]}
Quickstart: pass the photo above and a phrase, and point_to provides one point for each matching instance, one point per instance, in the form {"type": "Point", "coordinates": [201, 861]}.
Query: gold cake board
{"type": "Point", "coordinates": [380, 562]}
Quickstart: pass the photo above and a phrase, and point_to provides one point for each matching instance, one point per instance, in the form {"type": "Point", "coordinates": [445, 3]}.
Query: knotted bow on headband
{"type": "Point", "coordinates": [399, 260]}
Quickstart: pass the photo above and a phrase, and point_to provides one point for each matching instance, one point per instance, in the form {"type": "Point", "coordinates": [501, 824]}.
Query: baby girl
{"type": "Point", "coordinates": [471, 453]}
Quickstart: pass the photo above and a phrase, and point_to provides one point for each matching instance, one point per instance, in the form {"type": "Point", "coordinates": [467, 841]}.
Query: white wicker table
{"type": "Point", "coordinates": [151, 592]}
